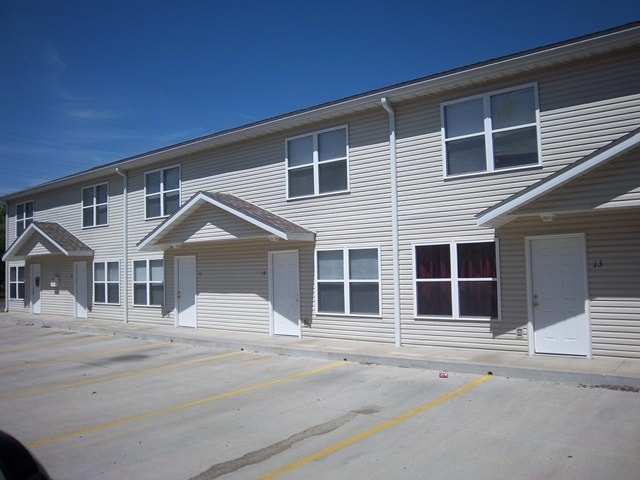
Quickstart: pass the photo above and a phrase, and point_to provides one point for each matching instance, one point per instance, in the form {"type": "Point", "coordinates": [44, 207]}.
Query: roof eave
{"type": "Point", "coordinates": [503, 212]}
{"type": "Point", "coordinates": [562, 52]}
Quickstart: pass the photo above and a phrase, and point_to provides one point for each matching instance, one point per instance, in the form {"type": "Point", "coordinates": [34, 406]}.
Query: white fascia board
{"type": "Point", "coordinates": [202, 197]}
{"type": "Point", "coordinates": [28, 233]}
{"type": "Point", "coordinates": [496, 217]}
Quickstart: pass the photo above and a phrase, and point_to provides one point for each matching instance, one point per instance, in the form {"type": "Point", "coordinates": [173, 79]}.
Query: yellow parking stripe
{"type": "Point", "coordinates": [38, 363]}
{"type": "Point", "coordinates": [373, 430]}
{"type": "Point", "coordinates": [115, 376]}
{"type": "Point", "coordinates": [175, 408]}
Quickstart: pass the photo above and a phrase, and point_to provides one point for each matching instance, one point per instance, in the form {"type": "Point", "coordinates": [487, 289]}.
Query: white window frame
{"type": "Point", "coordinates": [25, 221]}
{"type": "Point", "coordinates": [162, 191]}
{"type": "Point", "coordinates": [106, 282]}
{"type": "Point", "coordinates": [489, 131]}
{"type": "Point", "coordinates": [147, 282]}
{"type": "Point", "coordinates": [316, 163]}
{"type": "Point", "coordinates": [94, 206]}
{"type": "Point", "coordinates": [346, 281]}
{"type": "Point", "coordinates": [17, 282]}
{"type": "Point", "coordinates": [455, 280]}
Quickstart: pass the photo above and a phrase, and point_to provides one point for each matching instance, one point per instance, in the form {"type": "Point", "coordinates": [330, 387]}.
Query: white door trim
{"type": "Point", "coordinates": [176, 290]}
{"type": "Point", "coordinates": [529, 280]}
{"type": "Point", "coordinates": [35, 270]}
{"type": "Point", "coordinates": [272, 291]}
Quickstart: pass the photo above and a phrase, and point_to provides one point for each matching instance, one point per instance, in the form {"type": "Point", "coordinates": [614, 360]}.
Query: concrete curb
{"type": "Point", "coordinates": [403, 361]}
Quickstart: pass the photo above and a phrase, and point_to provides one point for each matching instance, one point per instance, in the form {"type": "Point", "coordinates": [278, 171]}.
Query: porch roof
{"type": "Point", "coordinates": [266, 223]}
{"type": "Point", "coordinates": [508, 209]}
{"type": "Point", "coordinates": [55, 238]}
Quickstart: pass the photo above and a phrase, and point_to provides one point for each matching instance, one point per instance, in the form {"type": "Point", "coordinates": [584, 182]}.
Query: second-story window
{"type": "Point", "coordinates": [162, 192]}
{"type": "Point", "coordinates": [318, 163]}
{"type": "Point", "coordinates": [491, 132]}
{"type": "Point", "coordinates": [24, 217]}
{"type": "Point", "coordinates": [94, 205]}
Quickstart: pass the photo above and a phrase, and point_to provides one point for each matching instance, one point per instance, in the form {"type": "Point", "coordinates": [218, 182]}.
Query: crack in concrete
{"type": "Point", "coordinates": [258, 456]}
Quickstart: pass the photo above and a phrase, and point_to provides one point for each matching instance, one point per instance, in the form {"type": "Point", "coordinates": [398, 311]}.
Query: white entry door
{"type": "Point", "coordinates": [560, 317]}
{"type": "Point", "coordinates": [36, 287]}
{"type": "Point", "coordinates": [80, 289]}
{"type": "Point", "coordinates": [285, 293]}
{"type": "Point", "coordinates": [185, 273]}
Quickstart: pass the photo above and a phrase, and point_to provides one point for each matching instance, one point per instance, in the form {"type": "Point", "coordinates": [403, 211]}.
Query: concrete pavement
{"type": "Point", "coordinates": [602, 371]}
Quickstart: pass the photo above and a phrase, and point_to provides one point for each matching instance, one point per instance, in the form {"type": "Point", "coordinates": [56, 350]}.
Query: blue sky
{"type": "Point", "coordinates": [86, 82]}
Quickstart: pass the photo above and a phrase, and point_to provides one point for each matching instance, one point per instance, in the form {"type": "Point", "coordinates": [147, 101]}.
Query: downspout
{"type": "Point", "coordinates": [394, 219]}
{"type": "Point", "coordinates": [125, 239]}
{"type": "Point", "coordinates": [6, 247]}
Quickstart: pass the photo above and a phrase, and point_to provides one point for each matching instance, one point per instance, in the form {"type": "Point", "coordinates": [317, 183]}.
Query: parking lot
{"type": "Point", "coordinates": [97, 406]}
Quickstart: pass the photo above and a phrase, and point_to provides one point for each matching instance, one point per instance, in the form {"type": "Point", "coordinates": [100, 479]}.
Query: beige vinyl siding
{"type": "Point", "coordinates": [255, 171]}
{"type": "Point", "coordinates": [233, 292]}
{"type": "Point", "coordinates": [138, 227]}
{"type": "Point", "coordinates": [209, 223]}
{"type": "Point", "coordinates": [61, 300]}
{"type": "Point", "coordinates": [614, 185]}
{"type": "Point", "coordinates": [232, 283]}
{"type": "Point", "coordinates": [612, 238]}
{"type": "Point", "coordinates": [583, 107]}
{"type": "Point", "coordinates": [64, 206]}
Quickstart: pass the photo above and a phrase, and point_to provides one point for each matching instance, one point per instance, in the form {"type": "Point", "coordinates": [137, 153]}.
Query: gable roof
{"type": "Point", "coordinates": [272, 224]}
{"type": "Point", "coordinates": [63, 241]}
{"type": "Point", "coordinates": [504, 211]}
{"type": "Point", "coordinates": [576, 49]}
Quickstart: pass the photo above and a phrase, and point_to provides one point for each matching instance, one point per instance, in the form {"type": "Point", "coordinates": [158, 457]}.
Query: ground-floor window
{"type": "Point", "coordinates": [348, 281]}
{"type": "Point", "coordinates": [148, 282]}
{"type": "Point", "coordinates": [106, 282]}
{"type": "Point", "coordinates": [457, 280]}
{"type": "Point", "coordinates": [16, 283]}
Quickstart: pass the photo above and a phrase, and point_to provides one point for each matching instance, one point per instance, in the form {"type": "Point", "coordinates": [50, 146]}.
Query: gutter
{"type": "Point", "coordinates": [394, 219]}
{"type": "Point", "coordinates": [125, 239]}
